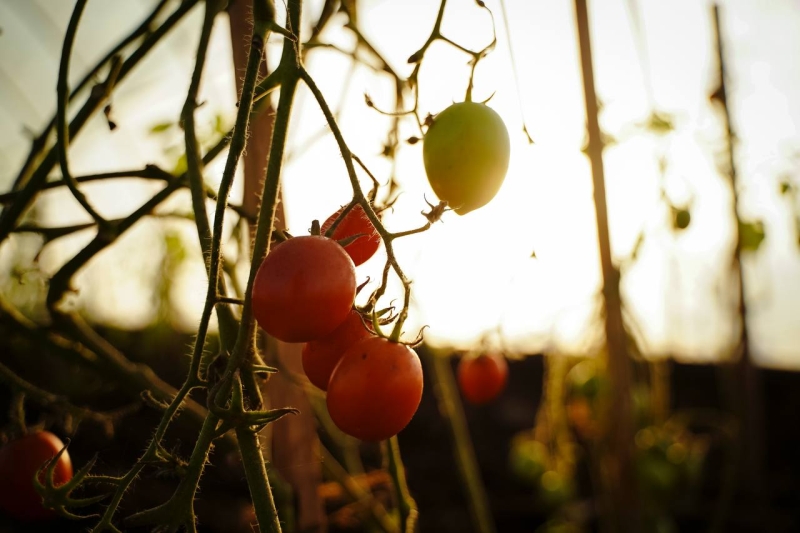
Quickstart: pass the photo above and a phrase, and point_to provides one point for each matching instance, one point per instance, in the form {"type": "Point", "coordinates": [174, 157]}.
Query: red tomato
{"type": "Point", "coordinates": [19, 461]}
{"type": "Point", "coordinates": [375, 389]}
{"type": "Point", "coordinates": [355, 222]}
{"type": "Point", "coordinates": [304, 289]}
{"type": "Point", "coordinates": [320, 357]}
{"type": "Point", "coordinates": [482, 378]}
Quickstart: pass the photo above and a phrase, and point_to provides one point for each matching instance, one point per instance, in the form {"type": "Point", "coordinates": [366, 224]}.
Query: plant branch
{"type": "Point", "coordinates": [408, 507]}
{"type": "Point", "coordinates": [452, 411]}
{"type": "Point", "coordinates": [99, 93]}
{"type": "Point", "coordinates": [40, 142]}
{"type": "Point", "coordinates": [44, 397]}
{"type": "Point", "coordinates": [62, 92]}
{"type": "Point", "coordinates": [358, 196]}
{"type": "Point", "coordinates": [194, 171]}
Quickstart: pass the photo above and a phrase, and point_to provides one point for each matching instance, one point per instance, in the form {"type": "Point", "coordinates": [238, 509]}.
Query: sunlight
{"type": "Point", "coordinates": [474, 275]}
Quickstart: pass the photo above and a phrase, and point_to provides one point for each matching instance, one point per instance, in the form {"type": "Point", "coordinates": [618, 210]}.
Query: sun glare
{"type": "Point", "coordinates": [524, 269]}
{"type": "Point", "coordinates": [527, 265]}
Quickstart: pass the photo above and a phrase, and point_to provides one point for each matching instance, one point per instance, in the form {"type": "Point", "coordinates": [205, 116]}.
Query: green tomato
{"type": "Point", "coordinates": [466, 153]}
{"type": "Point", "coordinates": [528, 459]}
{"type": "Point", "coordinates": [555, 489]}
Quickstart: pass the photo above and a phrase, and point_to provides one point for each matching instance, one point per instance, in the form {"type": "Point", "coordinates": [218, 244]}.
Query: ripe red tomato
{"type": "Point", "coordinates": [482, 378]}
{"type": "Point", "coordinates": [466, 152]}
{"type": "Point", "coordinates": [355, 222]}
{"type": "Point", "coordinates": [375, 389]}
{"type": "Point", "coordinates": [19, 461]}
{"type": "Point", "coordinates": [304, 289]}
{"type": "Point", "coordinates": [320, 357]}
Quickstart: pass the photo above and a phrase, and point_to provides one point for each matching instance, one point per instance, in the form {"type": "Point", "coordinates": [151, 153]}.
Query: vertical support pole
{"type": "Point", "coordinates": [619, 479]}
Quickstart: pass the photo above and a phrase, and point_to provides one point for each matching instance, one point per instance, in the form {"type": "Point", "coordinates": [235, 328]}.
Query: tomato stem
{"type": "Point", "coordinates": [408, 507]}
{"type": "Point", "coordinates": [452, 410]}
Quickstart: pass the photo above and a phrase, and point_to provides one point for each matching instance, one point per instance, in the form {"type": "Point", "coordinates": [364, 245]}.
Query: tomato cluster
{"type": "Point", "coordinates": [304, 291]}
{"type": "Point", "coordinates": [20, 459]}
{"type": "Point", "coordinates": [321, 357]}
{"type": "Point", "coordinates": [374, 385]}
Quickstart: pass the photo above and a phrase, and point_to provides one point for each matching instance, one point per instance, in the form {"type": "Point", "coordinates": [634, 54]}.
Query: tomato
{"type": "Point", "coordinates": [320, 357]}
{"type": "Point", "coordinates": [304, 289]}
{"type": "Point", "coordinates": [528, 458]}
{"type": "Point", "coordinates": [19, 461]}
{"type": "Point", "coordinates": [375, 389]}
{"type": "Point", "coordinates": [466, 152]}
{"type": "Point", "coordinates": [355, 222]}
{"type": "Point", "coordinates": [482, 378]}
{"type": "Point", "coordinates": [555, 489]}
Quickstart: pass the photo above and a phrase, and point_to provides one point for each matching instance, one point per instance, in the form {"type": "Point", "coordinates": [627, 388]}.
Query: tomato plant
{"type": "Point", "coordinates": [20, 459]}
{"type": "Point", "coordinates": [375, 389]}
{"type": "Point", "coordinates": [304, 289]}
{"type": "Point", "coordinates": [466, 153]}
{"type": "Point", "coordinates": [482, 378]}
{"type": "Point", "coordinates": [355, 222]}
{"type": "Point", "coordinates": [320, 357]}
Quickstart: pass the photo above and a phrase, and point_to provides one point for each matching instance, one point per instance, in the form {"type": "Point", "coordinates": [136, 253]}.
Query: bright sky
{"type": "Point", "coordinates": [473, 274]}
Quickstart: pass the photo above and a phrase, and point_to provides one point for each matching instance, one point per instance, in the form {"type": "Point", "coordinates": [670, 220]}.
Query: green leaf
{"type": "Point", "coordinates": [219, 124]}
{"type": "Point", "coordinates": [660, 123]}
{"type": "Point", "coordinates": [786, 187]}
{"type": "Point", "coordinates": [162, 127]}
{"type": "Point", "coordinates": [180, 166]}
{"type": "Point", "coordinates": [751, 235]}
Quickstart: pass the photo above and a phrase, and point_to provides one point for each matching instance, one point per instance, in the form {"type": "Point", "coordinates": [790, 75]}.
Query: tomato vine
{"type": "Point", "coordinates": [234, 412]}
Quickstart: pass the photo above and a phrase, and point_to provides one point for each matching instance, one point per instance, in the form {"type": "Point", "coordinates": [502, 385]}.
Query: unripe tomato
{"type": "Point", "coordinates": [555, 489]}
{"type": "Point", "coordinates": [466, 153]}
{"type": "Point", "coordinates": [20, 459]}
{"type": "Point", "coordinates": [528, 458]}
{"type": "Point", "coordinates": [355, 222]}
{"type": "Point", "coordinates": [304, 289]}
{"type": "Point", "coordinates": [482, 378]}
{"type": "Point", "coordinates": [375, 389]}
{"type": "Point", "coordinates": [320, 357]}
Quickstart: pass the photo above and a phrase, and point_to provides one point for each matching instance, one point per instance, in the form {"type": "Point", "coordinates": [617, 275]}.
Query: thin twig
{"type": "Point", "coordinates": [61, 112]}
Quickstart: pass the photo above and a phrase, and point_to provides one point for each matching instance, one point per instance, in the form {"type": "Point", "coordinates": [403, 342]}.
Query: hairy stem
{"type": "Point", "coordinates": [258, 481]}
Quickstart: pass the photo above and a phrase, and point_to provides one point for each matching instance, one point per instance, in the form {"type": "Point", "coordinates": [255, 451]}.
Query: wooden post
{"type": "Point", "coordinates": [619, 482]}
{"type": "Point", "coordinates": [746, 395]}
{"type": "Point", "coordinates": [294, 447]}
